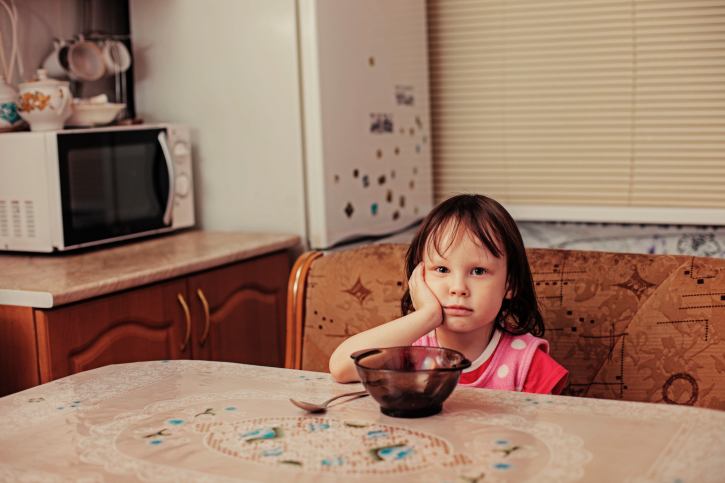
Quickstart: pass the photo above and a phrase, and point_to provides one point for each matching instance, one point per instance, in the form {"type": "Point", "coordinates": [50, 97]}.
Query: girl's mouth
{"type": "Point", "coordinates": [457, 310]}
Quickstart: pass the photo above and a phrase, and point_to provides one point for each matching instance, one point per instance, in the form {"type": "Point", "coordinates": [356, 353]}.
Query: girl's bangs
{"type": "Point", "coordinates": [479, 232]}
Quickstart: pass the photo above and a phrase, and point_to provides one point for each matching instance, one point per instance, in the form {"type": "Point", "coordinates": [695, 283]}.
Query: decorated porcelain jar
{"type": "Point", "coordinates": [9, 118]}
{"type": "Point", "coordinates": [45, 103]}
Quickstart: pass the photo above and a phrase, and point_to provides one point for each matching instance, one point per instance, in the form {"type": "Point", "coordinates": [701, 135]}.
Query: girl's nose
{"type": "Point", "coordinates": [459, 289]}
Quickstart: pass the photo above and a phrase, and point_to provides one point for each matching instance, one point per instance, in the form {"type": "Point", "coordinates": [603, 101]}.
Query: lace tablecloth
{"type": "Point", "coordinates": [209, 421]}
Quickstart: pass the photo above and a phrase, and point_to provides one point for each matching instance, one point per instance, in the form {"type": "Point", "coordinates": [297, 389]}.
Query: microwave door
{"type": "Point", "coordinates": [114, 185]}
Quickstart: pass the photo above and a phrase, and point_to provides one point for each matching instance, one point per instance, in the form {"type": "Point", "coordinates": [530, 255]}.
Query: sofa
{"type": "Point", "coordinates": [633, 327]}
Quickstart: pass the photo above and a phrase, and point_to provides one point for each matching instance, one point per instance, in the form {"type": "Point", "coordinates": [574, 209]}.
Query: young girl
{"type": "Point", "coordinates": [470, 289]}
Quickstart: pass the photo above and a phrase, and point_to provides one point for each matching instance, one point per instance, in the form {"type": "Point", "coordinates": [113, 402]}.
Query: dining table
{"type": "Point", "coordinates": [189, 421]}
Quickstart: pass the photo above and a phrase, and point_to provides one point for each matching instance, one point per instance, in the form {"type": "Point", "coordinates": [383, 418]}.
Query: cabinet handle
{"type": "Point", "coordinates": [200, 294]}
{"type": "Point", "coordinates": [188, 322]}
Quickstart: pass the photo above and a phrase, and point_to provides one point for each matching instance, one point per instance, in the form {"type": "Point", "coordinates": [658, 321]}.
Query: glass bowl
{"type": "Point", "coordinates": [410, 382]}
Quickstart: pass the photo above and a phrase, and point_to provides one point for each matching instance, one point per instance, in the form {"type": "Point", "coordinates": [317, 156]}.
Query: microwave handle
{"type": "Point", "coordinates": [172, 176]}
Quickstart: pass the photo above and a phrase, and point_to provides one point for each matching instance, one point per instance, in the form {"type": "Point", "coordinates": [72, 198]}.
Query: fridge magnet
{"type": "Point", "coordinates": [379, 153]}
{"type": "Point", "coordinates": [392, 174]}
{"type": "Point", "coordinates": [381, 179]}
{"type": "Point", "coordinates": [389, 196]}
{"type": "Point", "coordinates": [365, 181]}
{"type": "Point", "coordinates": [402, 201]}
{"type": "Point", "coordinates": [397, 150]}
{"type": "Point", "coordinates": [374, 209]}
{"type": "Point", "coordinates": [412, 131]}
{"type": "Point", "coordinates": [355, 173]}
{"type": "Point", "coordinates": [417, 148]}
{"type": "Point", "coordinates": [381, 123]}
{"type": "Point", "coordinates": [396, 215]}
{"type": "Point", "coordinates": [336, 178]}
{"type": "Point", "coordinates": [371, 61]}
{"type": "Point", "coordinates": [349, 209]}
{"type": "Point", "coordinates": [411, 184]}
{"type": "Point", "coordinates": [418, 122]}
{"type": "Point", "coordinates": [404, 95]}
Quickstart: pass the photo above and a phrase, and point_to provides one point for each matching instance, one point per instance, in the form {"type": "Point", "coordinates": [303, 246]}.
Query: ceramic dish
{"type": "Point", "coordinates": [94, 114]}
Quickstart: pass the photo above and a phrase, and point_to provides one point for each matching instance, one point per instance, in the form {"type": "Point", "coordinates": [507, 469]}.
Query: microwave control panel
{"type": "Point", "coordinates": [180, 144]}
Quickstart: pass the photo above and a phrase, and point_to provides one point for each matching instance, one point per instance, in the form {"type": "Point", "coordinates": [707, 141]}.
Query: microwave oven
{"type": "Point", "coordinates": [61, 190]}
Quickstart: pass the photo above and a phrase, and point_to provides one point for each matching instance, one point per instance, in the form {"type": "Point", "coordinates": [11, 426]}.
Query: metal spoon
{"type": "Point", "coordinates": [318, 408]}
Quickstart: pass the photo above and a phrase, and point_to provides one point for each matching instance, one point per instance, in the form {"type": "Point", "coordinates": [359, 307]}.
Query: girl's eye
{"type": "Point", "coordinates": [441, 270]}
{"type": "Point", "coordinates": [478, 271]}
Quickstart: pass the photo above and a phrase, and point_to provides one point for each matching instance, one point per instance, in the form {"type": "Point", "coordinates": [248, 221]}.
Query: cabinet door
{"type": "Point", "coordinates": [246, 311]}
{"type": "Point", "coordinates": [143, 324]}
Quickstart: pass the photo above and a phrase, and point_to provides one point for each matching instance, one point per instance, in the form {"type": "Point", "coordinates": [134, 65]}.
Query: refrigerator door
{"type": "Point", "coordinates": [366, 117]}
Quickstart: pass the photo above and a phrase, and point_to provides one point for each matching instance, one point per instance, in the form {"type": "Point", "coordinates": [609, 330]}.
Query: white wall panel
{"type": "Point", "coordinates": [228, 69]}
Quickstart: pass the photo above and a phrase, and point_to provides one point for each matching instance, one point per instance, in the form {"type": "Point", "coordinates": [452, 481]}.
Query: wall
{"type": "Point", "coordinates": [228, 69]}
{"type": "Point", "coordinates": [39, 21]}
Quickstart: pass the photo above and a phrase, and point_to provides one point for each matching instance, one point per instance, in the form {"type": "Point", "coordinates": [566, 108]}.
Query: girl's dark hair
{"type": "Point", "coordinates": [492, 225]}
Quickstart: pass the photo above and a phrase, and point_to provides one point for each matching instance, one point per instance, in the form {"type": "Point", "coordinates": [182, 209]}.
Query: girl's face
{"type": "Point", "coordinates": [468, 281]}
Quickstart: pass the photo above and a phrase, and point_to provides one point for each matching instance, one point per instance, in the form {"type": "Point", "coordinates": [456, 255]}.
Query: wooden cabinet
{"type": "Point", "coordinates": [143, 324]}
{"type": "Point", "coordinates": [239, 312]}
{"type": "Point", "coordinates": [234, 313]}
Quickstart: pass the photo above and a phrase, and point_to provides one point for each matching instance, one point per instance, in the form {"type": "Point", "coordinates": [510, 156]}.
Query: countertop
{"type": "Point", "coordinates": [50, 280]}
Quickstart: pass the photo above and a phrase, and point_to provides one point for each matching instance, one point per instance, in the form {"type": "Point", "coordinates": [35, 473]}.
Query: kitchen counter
{"type": "Point", "coordinates": [45, 281]}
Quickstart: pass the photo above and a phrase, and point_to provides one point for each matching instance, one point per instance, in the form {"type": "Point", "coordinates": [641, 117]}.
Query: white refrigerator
{"type": "Point", "coordinates": [307, 116]}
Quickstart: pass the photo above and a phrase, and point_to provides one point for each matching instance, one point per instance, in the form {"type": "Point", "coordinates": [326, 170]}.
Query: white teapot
{"type": "Point", "coordinates": [45, 103]}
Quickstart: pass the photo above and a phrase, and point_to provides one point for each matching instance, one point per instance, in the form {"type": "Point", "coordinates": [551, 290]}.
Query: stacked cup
{"type": "Point", "coordinates": [86, 60]}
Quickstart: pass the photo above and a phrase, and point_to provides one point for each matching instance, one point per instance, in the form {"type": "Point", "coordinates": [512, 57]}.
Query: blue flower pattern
{"type": "Point", "coordinates": [9, 113]}
{"type": "Point", "coordinates": [396, 453]}
{"type": "Point", "coordinates": [261, 433]}
{"type": "Point", "coordinates": [378, 434]}
{"type": "Point", "coordinates": [276, 451]}
{"type": "Point", "coordinates": [72, 405]}
{"type": "Point", "coordinates": [536, 403]}
{"type": "Point", "coordinates": [306, 378]}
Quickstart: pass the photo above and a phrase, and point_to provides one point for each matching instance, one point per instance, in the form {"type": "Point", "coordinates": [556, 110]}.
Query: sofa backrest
{"type": "Point", "coordinates": [634, 327]}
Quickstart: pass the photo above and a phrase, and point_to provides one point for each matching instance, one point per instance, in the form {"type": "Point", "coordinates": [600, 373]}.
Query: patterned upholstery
{"type": "Point", "coordinates": [627, 326]}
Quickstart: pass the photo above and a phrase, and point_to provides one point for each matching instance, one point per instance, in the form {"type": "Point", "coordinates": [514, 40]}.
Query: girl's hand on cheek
{"type": "Point", "coordinates": [422, 296]}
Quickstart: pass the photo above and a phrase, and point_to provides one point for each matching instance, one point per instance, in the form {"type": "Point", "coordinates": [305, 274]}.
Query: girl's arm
{"type": "Point", "coordinates": [400, 332]}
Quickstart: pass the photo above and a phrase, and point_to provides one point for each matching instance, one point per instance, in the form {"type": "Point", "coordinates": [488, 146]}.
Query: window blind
{"type": "Point", "coordinates": [581, 109]}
